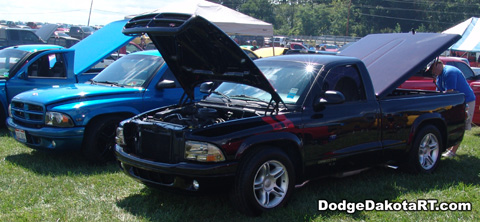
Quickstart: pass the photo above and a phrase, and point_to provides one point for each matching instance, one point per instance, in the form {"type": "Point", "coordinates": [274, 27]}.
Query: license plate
{"type": "Point", "coordinates": [20, 134]}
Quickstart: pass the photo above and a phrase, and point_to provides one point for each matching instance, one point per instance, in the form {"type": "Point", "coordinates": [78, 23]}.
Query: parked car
{"type": "Point", "coordinates": [27, 67]}
{"type": "Point", "coordinates": [84, 116]}
{"type": "Point", "coordinates": [297, 46]}
{"type": "Point", "coordinates": [18, 36]}
{"type": "Point", "coordinates": [277, 122]}
{"type": "Point", "coordinates": [329, 47]}
{"type": "Point", "coordinates": [250, 53]}
{"type": "Point", "coordinates": [62, 39]}
{"type": "Point", "coordinates": [280, 41]}
{"type": "Point", "coordinates": [422, 80]}
{"type": "Point", "coordinates": [80, 32]}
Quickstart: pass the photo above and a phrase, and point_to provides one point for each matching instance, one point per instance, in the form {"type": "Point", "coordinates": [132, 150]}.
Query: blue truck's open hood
{"type": "Point", "coordinates": [198, 51]}
{"type": "Point", "coordinates": [99, 45]}
{"type": "Point", "coordinates": [393, 58]}
{"type": "Point", "coordinates": [79, 91]}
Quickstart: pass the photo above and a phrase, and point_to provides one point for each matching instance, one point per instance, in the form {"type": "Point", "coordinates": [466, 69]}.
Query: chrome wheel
{"type": "Point", "coordinates": [270, 184]}
{"type": "Point", "coordinates": [428, 151]}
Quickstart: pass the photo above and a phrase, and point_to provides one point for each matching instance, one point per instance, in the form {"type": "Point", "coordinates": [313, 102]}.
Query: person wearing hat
{"type": "Point", "coordinates": [449, 78]}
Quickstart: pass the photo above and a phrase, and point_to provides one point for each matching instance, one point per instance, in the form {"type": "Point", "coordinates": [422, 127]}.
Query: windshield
{"type": "Point", "coordinates": [8, 59]}
{"type": "Point", "coordinates": [131, 70]}
{"type": "Point", "coordinates": [87, 29]}
{"type": "Point", "coordinates": [289, 78]}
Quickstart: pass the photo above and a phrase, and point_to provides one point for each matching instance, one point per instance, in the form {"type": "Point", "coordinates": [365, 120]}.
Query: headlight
{"type": "Point", "coordinates": [203, 152]}
{"type": "Point", "coordinates": [119, 138]}
{"type": "Point", "coordinates": [58, 119]}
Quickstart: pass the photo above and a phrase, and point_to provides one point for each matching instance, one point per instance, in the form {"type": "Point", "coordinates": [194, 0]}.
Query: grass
{"type": "Point", "coordinates": [43, 186]}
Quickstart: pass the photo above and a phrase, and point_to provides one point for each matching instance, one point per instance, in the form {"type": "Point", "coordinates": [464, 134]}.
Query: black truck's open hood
{"type": "Point", "coordinates": [393, 58]}
{"type": "Point", "coordinates": [198, 51]}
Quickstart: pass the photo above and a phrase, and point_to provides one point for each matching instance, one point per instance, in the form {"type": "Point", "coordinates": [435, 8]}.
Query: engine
{"type": "Point", "coordinates": [199, 116]}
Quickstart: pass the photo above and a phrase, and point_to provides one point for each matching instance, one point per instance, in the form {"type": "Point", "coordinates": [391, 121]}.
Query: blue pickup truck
{"type": "Point", "coordinates": [85, 115]}
{"type": "Point", "coordinates": [26, 67]}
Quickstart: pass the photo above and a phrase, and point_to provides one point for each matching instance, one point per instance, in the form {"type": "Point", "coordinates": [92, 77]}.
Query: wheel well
{"type": "Point", "coordinates": [124, 115]}
{"type": "Point", "coordinates": [440, 126]}
{"type": "Point", "coordinates": [290, 148]}
{"type": "Point", "coordinates": [3, 116]}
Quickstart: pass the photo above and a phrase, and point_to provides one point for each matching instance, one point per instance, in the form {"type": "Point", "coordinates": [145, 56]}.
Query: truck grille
{"type": "Point", "coordinates": [152, 145]}
{"type": "Point", "coordinates": [27, 114]}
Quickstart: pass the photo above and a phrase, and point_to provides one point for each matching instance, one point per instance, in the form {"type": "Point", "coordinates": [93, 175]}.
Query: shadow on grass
{"type": "Point", "coordinates": [378, 184]}
{"type": "Point", "coordinates": [59, 163]}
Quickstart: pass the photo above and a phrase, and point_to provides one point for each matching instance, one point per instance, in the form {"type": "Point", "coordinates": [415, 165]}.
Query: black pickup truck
{"type": "Point", "coordinates": [273, 123]}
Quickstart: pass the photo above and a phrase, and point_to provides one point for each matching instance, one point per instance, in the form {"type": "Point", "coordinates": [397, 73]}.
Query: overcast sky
{"type": "Point", "coordinates": [75, 11]}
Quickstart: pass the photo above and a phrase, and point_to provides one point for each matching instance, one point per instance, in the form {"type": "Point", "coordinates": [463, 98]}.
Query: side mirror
{"type": "Point", "coordinates": [329, 97]}
{"type": "Point", "coordinates": [165, 84]}
{"type": "Point", "coordinates": [206, 87]}
{"type": "Point", "coordinates": [22, 75]}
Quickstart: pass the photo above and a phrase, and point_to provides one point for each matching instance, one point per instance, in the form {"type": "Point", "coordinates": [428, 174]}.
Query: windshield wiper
{"type": "Point", "coordinates": [249, 98]}
{"type": "Point", "coordinates": [223, 95]}
{"type": "Point", "coordinates": [107, 82]}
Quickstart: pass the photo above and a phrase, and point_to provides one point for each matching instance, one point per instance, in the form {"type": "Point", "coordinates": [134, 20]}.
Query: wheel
{"type": "Point", "coordinates": [426, 150]}
{"type": "Point", "coordinates": [99, 139]}
{"type": "Point", "coordinates": [265, 181]}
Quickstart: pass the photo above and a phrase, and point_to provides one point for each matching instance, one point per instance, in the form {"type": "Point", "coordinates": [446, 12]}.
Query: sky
{"type": "Point", "coordinates": [75, 12]}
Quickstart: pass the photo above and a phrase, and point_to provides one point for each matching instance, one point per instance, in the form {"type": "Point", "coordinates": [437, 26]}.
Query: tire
{"type": "Point", "coordinates": [425, 154]}
{"type": "Point", "coordinates": [3, 117]}
{"type": "Point", "coordinates": [265, 181]}
{"type": "Point", "coordinates": [99, 139]}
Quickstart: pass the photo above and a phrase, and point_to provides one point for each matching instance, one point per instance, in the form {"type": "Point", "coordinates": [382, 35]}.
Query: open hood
{"type": "Point", "coordinates": [197, 51]}
{"type": "Point", "coordinates": [99, 45]}
{"type": "Point", "coordinates": [393, 58]}
{"type": "Point", "coordinates": [46, 31]}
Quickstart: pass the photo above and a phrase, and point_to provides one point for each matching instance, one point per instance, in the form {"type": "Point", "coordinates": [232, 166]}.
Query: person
{"type": "Point", "coordinates": [254, 44]}
{"type": "Point", "coordinates": [449, 78]}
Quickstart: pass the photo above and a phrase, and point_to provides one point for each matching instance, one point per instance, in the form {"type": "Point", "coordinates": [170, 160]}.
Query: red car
{"type": "Point", "coordinates": [423, 80]}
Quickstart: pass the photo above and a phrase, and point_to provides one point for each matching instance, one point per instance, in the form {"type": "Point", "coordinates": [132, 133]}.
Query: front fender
{"type": "Point", "coordinates": [270, 139]}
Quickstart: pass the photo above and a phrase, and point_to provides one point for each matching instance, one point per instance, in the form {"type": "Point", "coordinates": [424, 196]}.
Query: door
{"type": "Point", "coordinates": [341, 137]}
{"type": "Point", "coordinates": [45, 70]}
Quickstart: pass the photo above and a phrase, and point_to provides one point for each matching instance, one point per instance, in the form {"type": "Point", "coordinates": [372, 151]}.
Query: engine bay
{"type": "Point", "coordinates": [197, 116]}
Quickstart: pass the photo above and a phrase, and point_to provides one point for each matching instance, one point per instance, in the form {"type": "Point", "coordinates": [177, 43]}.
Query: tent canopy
{"type": "Point", "coordinates": [470, 31]}
{"type": "Point", "coordinates": [228, 20]}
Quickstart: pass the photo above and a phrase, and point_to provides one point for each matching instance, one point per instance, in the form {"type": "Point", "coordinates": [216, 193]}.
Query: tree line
{"type": "Point", "coordinates": [356, 18]}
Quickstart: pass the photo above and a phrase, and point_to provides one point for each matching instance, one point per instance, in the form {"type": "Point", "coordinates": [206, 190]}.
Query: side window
{"type": "Point", "coordinates": [48, 66]}
{"type": "Point", "coordinates": [131, 48]}
{"type": "Point", "coordinates": [168, 75]}
{"type": "Point", "coordinates": [14, 35]}
{"type": "Point", "coordinates": [347, 80]}
{"type": "Point", "coordinates": [467, 71]}
{"type": "Point", "coordinates": [30, 37]}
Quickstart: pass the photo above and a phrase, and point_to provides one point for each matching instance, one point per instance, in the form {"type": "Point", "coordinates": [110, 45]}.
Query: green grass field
{"type": "Point", "coordinates": [43, 186]}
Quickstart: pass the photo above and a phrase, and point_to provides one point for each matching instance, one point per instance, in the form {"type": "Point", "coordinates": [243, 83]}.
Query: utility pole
{"type": "Point", "coordinates": [348, 17]}
{"type": "Point", "coordinates": [90, 13]}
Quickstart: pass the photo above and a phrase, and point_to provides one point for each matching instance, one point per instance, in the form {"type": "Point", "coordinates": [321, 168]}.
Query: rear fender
{"type": "Point", "coordinates": [429, 118]}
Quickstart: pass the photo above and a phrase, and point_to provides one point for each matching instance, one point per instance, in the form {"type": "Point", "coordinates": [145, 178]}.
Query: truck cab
{"type": "Point", "coordinates": [26, 67]}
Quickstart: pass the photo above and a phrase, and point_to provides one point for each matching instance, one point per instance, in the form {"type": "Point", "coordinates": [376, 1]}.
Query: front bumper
{"type": "Point", "coordinates": [178, 175]}
{"type": "Point", "coordinates": [47, 138]}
